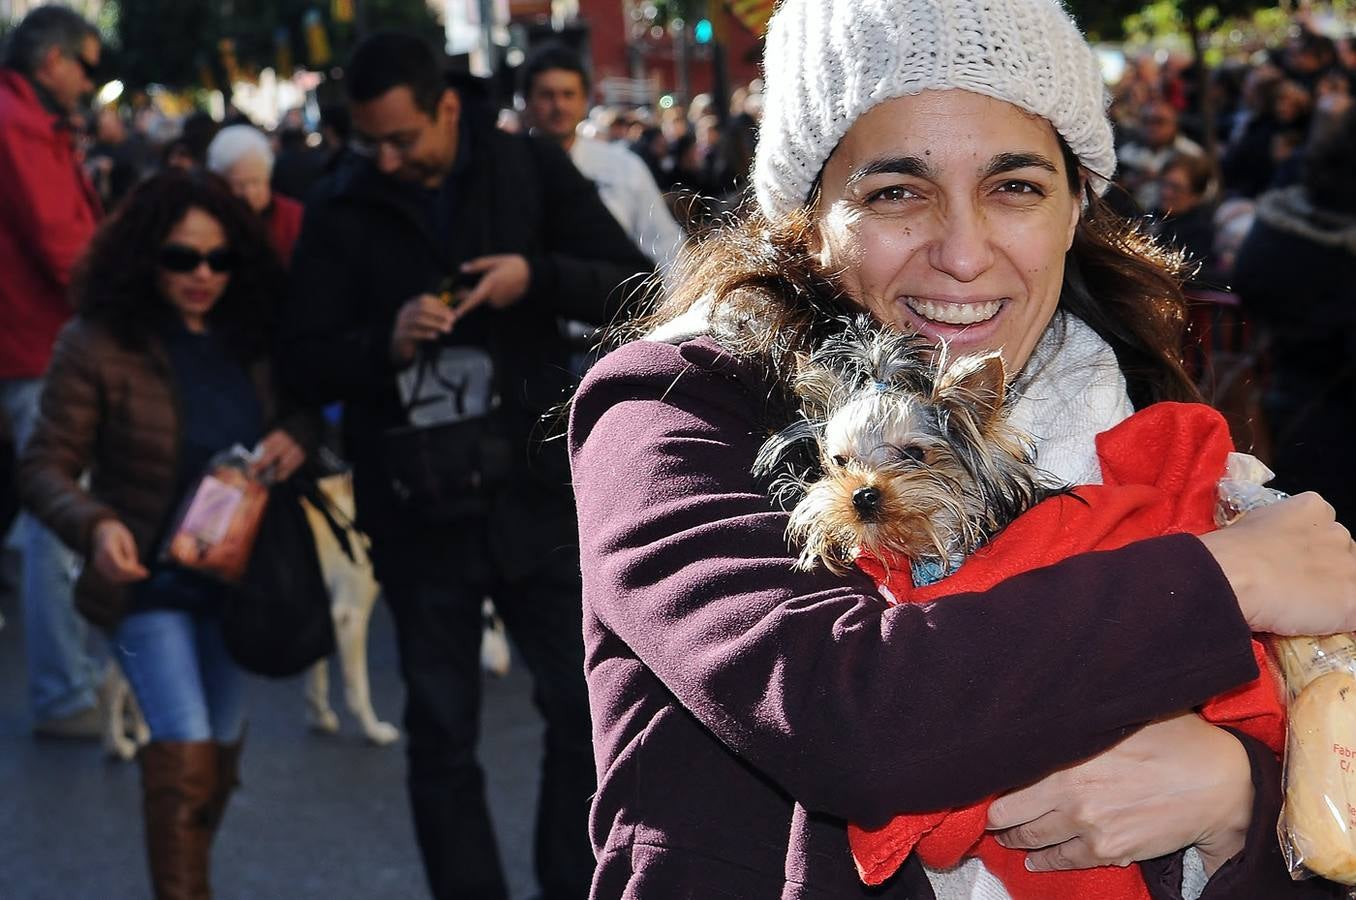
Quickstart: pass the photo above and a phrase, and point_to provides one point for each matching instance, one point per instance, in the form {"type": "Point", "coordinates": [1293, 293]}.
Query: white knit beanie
{"type": "Point", "coordinates": [829, 61]}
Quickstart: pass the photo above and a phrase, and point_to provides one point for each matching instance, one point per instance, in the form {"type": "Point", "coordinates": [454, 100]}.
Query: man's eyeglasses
{"type": "Point", "coordinates": [181, 259]}
{"type": "Point", "coordinates": [367, 147]}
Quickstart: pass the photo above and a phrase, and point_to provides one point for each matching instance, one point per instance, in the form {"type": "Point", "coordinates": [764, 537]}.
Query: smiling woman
{"type": "Point", "coordinates": [936, 166]}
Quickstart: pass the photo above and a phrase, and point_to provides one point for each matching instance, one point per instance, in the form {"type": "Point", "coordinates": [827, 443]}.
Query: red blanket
{"type": "Point", "coordinates": [1160, 469]}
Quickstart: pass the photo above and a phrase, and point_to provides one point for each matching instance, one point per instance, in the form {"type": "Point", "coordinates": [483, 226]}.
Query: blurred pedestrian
{"type": "Point", "coordinates": [1296, 273]}
{"type": "Point", "coordinates": [555, 91]}
{"type": "Point", "coordinates": [244, 158]}
{"type": "Point", "coordinates": [1185, 215]}
{"type": "Point", "coordinates": [1142, 157]}
{"type": "Point", "coordinates": [299, 165]}
{"type": "Point", "coordinates": [111, 161]}
{"type": "Point", "coordinates": [165, 365]}
{"type": "Point", "coordinates": [1282, 113]}
{"type": "Point", "coordinates": [48, 211]}
{"type": "Point", "coordinates": [188, 151]}
{"type": "Point", "coordinates": [427, 284]}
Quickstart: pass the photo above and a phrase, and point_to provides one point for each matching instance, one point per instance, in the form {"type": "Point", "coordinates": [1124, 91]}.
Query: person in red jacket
{"type": "Point", "coordinates": [242, 155]}
{"type": "Point", "coordinates": [48, 211]}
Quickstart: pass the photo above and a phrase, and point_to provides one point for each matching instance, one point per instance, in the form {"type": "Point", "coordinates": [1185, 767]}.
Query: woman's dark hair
{"type": "Point", "coordinates": [115, 282]}
{"type": "Point", "coordinates": [1329, 177]}
{"type": "Point", "coordinates": [1116, 279]}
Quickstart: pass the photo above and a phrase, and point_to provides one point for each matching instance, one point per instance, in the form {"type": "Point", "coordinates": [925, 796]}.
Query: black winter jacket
{"type": "Point", "coordinates": [367, 247]}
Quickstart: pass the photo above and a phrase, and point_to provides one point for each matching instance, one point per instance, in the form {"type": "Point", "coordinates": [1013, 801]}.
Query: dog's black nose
{"type": "Point", "coordinates": [866, 500]}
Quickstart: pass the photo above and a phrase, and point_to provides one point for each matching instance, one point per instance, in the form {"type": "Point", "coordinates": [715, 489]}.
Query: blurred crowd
{"type": "Point", "coordinates": [175, 233]}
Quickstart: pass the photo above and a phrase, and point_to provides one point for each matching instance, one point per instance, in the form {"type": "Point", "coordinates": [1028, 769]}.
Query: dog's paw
{"type": "Point", "coordinates": [383, 733]}
{"type": "Point", "coordinates": [324, 720]}
{"type": "Point", "coordinates": [122, 749]}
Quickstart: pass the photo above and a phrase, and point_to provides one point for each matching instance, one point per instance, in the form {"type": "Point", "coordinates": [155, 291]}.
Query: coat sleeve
{"type": "Point", "coordinates": [61, 446]}
{"type": "Point", "coordinates": [46, 203]}
{"type": "Point", "coordinates": [1258, 871]}
{"type": "Point", "coordinates": [856, 708]}
{"type": "Point", "coordinates": [329, 348]}
{"type": "Point", "coordinates": [589, 267]}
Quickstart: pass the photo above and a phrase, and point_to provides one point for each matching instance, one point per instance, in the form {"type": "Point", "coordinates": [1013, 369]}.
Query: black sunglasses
{"type": "Point", "coordinates": [178, 258]}
{"type": "Point", "coordinates": [90, 69]}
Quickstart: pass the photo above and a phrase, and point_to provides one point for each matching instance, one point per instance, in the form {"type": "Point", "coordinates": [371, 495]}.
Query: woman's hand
{"type": "Point", "coordinates": [279, 456]}
{"type": "Point", "coordinates": [115, 553]}
{"type": "Point", "coordinates": [1292, 567]}
{"type": "Point", "coordinates": [1174, 783]}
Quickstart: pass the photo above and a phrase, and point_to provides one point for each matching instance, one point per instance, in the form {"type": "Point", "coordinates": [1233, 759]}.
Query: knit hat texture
{"type": "Point", "coordinates": [829, 61]}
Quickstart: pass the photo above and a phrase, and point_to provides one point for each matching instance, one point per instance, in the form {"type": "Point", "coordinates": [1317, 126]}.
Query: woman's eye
{"type": "Point", "coordinates": [895, 193]}
{"type": "Point", "coordinates": [1020, 187]}
{"type": "Point", "coordinates": [840, 461]}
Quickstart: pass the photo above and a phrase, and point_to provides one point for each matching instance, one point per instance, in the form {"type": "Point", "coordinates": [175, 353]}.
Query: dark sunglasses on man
{"type": "Point", "coordinates": [90, 69]}
{"type": "Point", "coordinates": [181, 259]}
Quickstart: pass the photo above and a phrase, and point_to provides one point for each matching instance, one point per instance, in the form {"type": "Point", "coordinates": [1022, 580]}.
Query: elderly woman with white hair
{"type": "Point", "coordinates": [936, 166]}
{"type": "Point", "coordinates": [242, 155]}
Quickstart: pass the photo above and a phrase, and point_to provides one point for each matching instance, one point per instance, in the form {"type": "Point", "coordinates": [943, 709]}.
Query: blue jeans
{"type": "Point", "coordinates": [188, 686]}
{"type": "Point", "coordinates": [62, 677]}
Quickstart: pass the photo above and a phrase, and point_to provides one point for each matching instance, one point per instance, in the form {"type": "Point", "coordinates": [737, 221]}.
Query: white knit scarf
{"type": "Point", "coordinates": [1070, 391]}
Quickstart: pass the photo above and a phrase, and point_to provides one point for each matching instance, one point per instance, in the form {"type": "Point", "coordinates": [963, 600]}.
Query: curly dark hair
{"type": "Point", "coordinates": [115, 282]}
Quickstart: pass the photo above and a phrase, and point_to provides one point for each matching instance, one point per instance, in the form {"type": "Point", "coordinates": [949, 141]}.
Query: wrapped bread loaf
{"type": "Point", "coordinates": [1318, 820]}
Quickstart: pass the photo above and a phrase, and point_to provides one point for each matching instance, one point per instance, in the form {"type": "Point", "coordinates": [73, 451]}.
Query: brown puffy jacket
{"type": "Point", "coordinates": [111, 410]}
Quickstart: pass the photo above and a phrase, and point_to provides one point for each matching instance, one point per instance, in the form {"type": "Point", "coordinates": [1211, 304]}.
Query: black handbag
{"type": "Point", "coordinates": [450, 470]}
{"type": "Point", "coordinates": [277, 621]}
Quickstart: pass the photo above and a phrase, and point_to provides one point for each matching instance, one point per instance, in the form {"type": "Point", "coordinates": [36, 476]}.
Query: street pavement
{"type": "Point", "coordinates": [318, 816]}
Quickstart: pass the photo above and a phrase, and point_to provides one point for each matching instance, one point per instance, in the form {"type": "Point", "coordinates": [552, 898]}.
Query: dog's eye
{"type": "Point", "coordinates": [914, 453]}
{"type": "Point", "coordinates": [840, 460]}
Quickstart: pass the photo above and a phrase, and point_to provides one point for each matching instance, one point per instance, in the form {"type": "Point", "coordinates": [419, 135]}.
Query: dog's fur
{"type": "Point", "coordinates": [125, 729]}
{"type": "Point", "coordinates": [911, 453]}
{"type": "Point", "coordinates": [353, 592]}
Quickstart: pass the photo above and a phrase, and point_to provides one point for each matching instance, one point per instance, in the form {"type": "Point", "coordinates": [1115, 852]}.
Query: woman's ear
{"type": "Point", "coordinates": [1079, 208]}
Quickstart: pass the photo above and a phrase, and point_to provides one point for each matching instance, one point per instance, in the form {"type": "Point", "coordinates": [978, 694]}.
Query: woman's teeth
{"type": "Point", "coordinates": [954, 313]}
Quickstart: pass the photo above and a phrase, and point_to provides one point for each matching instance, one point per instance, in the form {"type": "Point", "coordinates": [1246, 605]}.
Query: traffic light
{"type": "Point", "coordinates": [702, 32]}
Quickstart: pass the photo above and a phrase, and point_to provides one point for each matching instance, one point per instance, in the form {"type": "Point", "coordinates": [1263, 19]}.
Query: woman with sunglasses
{"type": "Point", "coordinates": [165, 364]}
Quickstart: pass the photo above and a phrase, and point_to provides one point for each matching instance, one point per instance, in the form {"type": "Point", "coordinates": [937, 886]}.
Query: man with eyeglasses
{"type": "Point", "coordinates": [428, 284]}
{"type": "Point", "coordinates": [48, 211]}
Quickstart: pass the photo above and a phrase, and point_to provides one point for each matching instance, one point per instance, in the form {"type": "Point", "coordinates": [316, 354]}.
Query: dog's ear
{"type": "Point", "coordinates": [972, 387]}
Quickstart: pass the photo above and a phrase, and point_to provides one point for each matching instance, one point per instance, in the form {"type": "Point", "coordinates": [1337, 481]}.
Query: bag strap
{"type": "Point", "coordinates": [334, 517]}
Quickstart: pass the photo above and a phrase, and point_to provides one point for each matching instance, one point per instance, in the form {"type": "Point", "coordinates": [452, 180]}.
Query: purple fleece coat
{"type": "Point", "coordinates": [742, 711]}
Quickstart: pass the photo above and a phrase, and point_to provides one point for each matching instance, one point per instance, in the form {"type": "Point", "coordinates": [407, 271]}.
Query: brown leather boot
{"type": "Point", "coordinates": [228, 778]}
{"type": "Point", "coordinates": [178, 786]}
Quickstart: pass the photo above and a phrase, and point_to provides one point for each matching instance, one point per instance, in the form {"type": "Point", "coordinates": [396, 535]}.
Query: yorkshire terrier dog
{"type": "Point", "coordinates": [910, 454]}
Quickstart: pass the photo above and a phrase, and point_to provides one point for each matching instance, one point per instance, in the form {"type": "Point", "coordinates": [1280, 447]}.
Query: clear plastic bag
{"type": "Point", "coordinates": [1317, 827]}
{"type": "Point", "coordinates": [218, 522]}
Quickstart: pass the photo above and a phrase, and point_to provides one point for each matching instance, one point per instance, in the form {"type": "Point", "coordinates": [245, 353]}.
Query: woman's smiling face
{"type": "Point", "coordinates": [949, 214]}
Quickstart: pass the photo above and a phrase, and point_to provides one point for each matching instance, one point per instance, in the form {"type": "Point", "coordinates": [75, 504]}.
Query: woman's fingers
{"type": "Point", "coordinates": [115, 553]}
{"type": "Point", "coordinates": [1071, 854]}
{"type": "Point", "coordinates": [1292, 567]}
{"type": "Point", "coordinates": [1048, 830]}
{"type": "Point", "coordinates": [1173, 783]}
{"type": "Point", "coordinates": [279, 453]}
